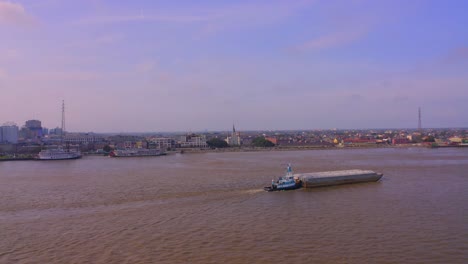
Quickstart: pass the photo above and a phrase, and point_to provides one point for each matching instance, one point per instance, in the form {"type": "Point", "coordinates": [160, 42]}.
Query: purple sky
{"type": "Point", "coordinates": [152, 65]}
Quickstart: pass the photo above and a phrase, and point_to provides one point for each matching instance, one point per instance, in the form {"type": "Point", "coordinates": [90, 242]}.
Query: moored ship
{"type": "Point", "coordinates": [58, 154]}
{"type": "Point", "coordinates": [135, 152]}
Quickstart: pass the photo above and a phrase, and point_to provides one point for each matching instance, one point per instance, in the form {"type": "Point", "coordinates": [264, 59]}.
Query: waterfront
{"type": "Point", "coordinates": [210, 208]}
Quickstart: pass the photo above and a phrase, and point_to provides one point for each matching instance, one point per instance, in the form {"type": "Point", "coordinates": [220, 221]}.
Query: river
{"type": "Point", "coordinates": [210, 208]}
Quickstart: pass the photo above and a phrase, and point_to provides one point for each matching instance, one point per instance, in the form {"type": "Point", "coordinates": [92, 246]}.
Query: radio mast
{"type": "Point", "coordinates": [63, 120]}
{"type": "Point", "coordinates": [419, 120]}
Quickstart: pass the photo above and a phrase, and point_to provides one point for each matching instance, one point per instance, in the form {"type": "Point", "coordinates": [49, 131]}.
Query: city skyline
{"type": "Point", "coordinates": [266, 65]}
{"type": "Point", "coordinates": [129, 132]}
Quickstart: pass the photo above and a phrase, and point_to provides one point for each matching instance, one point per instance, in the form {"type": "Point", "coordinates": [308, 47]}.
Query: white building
{"type": "Point", "coordinates": [193, 141]}
{"type": "Point", "coordinates": [163, 143]}
{"type": "Point", "coordinates": [9, 133]}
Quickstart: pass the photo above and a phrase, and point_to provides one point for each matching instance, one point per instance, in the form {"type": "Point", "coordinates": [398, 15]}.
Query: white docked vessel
{"type": "Point", "coordinates": [136, 152]}
{"type": "Point", "coordinates": [58, 154]}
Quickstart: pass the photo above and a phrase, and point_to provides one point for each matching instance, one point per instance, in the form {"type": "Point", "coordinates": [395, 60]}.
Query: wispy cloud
{"type": "Point", "coordinates": [13, 13]}
{"type": "Point", "coordinates": [253, 13]}
{"type": "Point", "coordinates": [250, 13]}
{"type": "Point", "coordinates": [100, 40]}
{"type": "Point", "coordinates": [333, 39]}
{"type": "Point", "coordinates": [339, 24]}
{"type": "Point", "coordinates": [110, 19]}
{"type": "Point", "coordinates": [51, 76]}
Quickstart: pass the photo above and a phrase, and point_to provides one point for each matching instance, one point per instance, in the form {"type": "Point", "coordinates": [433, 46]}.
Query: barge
{"type": "Point", "coordinates": [318, 179]}
{"type": "Point", "coordinates": [330, 178]}
{"type": "Point", "coordinates": [135, 152]}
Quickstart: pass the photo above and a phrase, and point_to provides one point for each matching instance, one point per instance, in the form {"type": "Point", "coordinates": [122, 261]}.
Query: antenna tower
{"type": "Point", "coordinates": [63, 119]}
{"type": "Point", "coordinates": [419, 120]}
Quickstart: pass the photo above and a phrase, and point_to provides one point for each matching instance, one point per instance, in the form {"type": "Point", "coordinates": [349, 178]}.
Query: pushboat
{"type": "Point", "coordinates": [287, 182]}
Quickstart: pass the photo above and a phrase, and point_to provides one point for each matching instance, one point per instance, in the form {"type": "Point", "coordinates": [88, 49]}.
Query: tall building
{"type": "Point", "coordinates": [33, 129]}
{"type": "Point", "coordinates": [9, 133]}
{"type": "Point", "coordinates": [31, 124]}
{"type": "Point", "coordinates": [234, 139]}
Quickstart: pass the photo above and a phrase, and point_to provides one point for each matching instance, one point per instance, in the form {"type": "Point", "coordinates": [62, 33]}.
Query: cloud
{"type": "Point", "coordinates": [102, 40]}
{"type": "Point", "coordinates": [13, 13]}
{"type": "Point", "coordinates": [333, 39]}
{"type": "Point", "coordinates": [110, 19]}
{"type": "Point", "coordinates": [341, 23]}
{"type": "Point", "coordinates": [254, 13]}
{"type": "Point", "coordinates": [64, 76]}
{"type": "Point", "coordinates": [214, 18]}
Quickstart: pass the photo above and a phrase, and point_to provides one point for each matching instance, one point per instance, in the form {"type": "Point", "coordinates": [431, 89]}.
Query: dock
{"type": "Point", "coordinates": [330, 178]}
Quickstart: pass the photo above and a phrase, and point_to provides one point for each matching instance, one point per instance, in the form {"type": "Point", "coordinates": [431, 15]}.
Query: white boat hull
{"type": "Point", "coordinates": [58, 155]}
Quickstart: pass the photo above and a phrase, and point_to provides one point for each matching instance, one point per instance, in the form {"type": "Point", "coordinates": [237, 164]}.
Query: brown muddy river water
{"type": "Point", "coordinates": [210, 208]}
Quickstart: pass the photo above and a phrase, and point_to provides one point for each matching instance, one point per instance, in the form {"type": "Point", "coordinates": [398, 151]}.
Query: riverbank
{"type": "Point", "coordinates": [260, 149]}
{"type": "Point", "coordinates": [293, 148]}
{"type": "Point", "coordinates": [15, 159]}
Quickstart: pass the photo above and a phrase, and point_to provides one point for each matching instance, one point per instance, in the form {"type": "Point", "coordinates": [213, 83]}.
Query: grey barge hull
{"type": "Point", "coordinates": [330, 178]}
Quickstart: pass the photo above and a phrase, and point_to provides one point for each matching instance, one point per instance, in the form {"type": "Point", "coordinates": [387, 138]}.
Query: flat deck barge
{"type": "Point", "coordinates": [330, 178]}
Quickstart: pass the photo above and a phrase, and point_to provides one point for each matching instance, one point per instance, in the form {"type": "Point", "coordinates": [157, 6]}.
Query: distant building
{"type": "Point", "coordinates": [359, 141]}
{"type": "Point", "coordinates": [32, 130]}
{"type": "Point", "coordinates": [163, 143]}
{"type": "Point", "coordinates": [55, 131]}
{"type": "Point", "coordinates": [129, 144]}
{"type": "Point", "coordinates": [303, 143]}
{"type": "Point", "coordinates": [416, 137]}
{"type": "Point", "coordinates": [9, 133]}
{"type": "Point", "coordinates": [273, 140]}
{"type": "Point", "coordinates": [398, 141]}
{"type": "Point", "coordinates": [31, 124]}
{"type": "Point", "coordinates": [455, 140]}
{"type": "Point", "coordinates": [247, 141]}
{"type": "Point", "coordinates": [86, 138]}
{"type": "Point", "coordinates": [234, 139]}
{"type": "Point", "coordinates": [193, 141]}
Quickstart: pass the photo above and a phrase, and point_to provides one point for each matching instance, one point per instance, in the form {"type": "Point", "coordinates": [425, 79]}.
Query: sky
{"type": "Point", "coordinates": [148, 65]}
